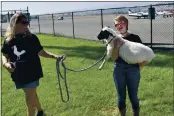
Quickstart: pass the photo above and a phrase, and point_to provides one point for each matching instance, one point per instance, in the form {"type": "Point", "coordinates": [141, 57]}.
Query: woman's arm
{"type": "Point", "coordinates": [115, 54]}
{"type": "Point", "coordinates": [46, 54]}
{"type": "Point", "coordinates": [4, 59]}
{"type": "Point", "coordinates": [6, 64]}
{"type": "Point", "coordinates": [115, 50]}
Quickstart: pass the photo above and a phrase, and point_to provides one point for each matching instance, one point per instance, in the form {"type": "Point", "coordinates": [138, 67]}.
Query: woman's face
{"type": "Point", "coordinates": [22, 26]}
{"type": "Point", "coordinates": [121, 27]}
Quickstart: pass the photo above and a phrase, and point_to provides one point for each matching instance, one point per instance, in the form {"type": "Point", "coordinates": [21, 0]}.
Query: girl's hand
{"type": "Point", "coordinates": [58, 57]}
{"type": "Point", "coordinates": [8, 67]}
{"type": "Point", "coordinates": [142, 64]}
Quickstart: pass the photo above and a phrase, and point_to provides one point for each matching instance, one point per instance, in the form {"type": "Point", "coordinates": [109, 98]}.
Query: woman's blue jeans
{"type": "Point", "coordinates": [127, 75]}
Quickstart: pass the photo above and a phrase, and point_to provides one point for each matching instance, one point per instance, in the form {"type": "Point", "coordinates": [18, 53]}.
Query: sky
{"type": "Point", "coordinates": [58, 7]}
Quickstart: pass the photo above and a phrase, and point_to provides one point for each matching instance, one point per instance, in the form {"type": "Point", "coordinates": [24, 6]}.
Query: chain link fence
{"type": "Point", "coordinates": [163, 26]}
{"type": "Point", "coordinates": [157, 32]}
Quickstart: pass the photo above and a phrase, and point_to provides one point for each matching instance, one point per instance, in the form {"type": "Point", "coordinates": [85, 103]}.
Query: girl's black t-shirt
{"type": "Point", "coordinates": [23, 52]}
{"type": "Point", "coordinates": [133, 38]}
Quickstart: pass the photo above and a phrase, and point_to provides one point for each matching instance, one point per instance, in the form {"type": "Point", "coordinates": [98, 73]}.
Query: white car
{"type": "Point", "coordinates": [60, 18]}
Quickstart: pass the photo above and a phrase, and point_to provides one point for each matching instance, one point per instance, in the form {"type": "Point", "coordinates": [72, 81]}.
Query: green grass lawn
{"type": "Point", "coordinates": [92, 92]}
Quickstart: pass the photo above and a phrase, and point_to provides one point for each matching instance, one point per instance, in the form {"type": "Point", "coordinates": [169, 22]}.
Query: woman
{"type": "Point", "coordinates": [21, 50]}
{"type": "Point", "coordinates": [126, 74]}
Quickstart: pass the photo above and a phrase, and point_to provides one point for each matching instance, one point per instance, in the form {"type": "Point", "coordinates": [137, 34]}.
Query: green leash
{"type": "Point", "coordinates": [64, 77]}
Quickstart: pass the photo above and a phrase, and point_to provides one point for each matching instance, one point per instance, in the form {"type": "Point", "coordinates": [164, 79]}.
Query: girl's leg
{"type": "Point", "coordinates": [30, 97]}
{"type": "Point", "coordinates": [133, 79]}
{"type": "Point", "coordinates": [119, 79]}
{"type": "Point", "coordinates": [32, 101]}
{"type": "Point", "coordinates": [37, 103]}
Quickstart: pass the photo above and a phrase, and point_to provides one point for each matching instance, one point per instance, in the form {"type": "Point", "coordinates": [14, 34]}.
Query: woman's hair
{"type": "Point", "coordinates": [10, 31]}
{"type": "Point", "coordinates": [122, 18]}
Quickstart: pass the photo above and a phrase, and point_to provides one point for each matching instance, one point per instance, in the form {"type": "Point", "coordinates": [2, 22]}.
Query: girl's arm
{"type": "Point", "coordinates": [46, 54]}
{"type": "Point", "coordinates": [6, 64]}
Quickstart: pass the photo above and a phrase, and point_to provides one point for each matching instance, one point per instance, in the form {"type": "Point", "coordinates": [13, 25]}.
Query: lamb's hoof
{"type": "Point", "coordinates": [99, 68]}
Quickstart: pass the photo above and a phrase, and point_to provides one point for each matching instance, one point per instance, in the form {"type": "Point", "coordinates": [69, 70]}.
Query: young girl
{"type": "Point", "coordinates": [21, 50]}
{"type": "Point", "coordinates": [126, 74]}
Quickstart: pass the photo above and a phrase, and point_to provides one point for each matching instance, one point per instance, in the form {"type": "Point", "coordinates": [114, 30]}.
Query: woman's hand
{"type": "Point", "coordinates": [142, 64]}
{"type": "Point", "coordinates": [51, 55]}
{"type": "Point", "coordinates": [59, 57]}
{"type": "Point", "coordinates": [8, 67]}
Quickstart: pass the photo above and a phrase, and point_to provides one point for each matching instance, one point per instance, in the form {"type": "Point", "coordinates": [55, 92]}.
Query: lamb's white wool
{"type": "Point", "coordinates": [131, 52]}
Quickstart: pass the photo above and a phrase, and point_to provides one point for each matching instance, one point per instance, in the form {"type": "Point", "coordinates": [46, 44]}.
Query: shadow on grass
{"type": "Point", "coordinates": [163, 58]}
{"type": "Point", "coordinates": [167, 62]}
{"type": "Point", "coordinates": [89, 52]}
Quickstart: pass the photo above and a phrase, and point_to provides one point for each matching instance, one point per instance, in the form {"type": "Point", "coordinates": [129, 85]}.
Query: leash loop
{"type": "Point", "coordinates": [60, 76]}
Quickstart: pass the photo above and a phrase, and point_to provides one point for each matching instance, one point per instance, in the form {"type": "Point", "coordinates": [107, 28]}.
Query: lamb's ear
{"type": "Point", "coordinates": [108, 26]}
{"type": "Point", "coordinates": [111, 34]}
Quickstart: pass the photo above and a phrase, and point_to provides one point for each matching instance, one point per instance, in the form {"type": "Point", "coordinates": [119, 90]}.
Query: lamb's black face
{"type": "Point", "coordinates": [103, 35]}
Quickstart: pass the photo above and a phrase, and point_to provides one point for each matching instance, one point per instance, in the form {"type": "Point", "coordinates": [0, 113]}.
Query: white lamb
{"type": "Point", "coordinates": [131, 52]}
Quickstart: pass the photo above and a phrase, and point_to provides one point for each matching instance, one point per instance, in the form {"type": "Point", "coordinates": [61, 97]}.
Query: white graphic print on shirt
{"type": "Point", "coordinates": [18, 54]}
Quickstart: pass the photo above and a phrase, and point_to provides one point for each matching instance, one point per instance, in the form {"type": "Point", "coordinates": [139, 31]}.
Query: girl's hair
{"type": "Point", "coordinates": [10, 31]}
{"type": "Point", "coordinates": [122, 18]}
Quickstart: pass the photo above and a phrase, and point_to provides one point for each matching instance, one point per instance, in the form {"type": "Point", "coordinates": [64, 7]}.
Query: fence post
{"type": "Point", "coordinates": [38, 23]}
{"type": "Point", "coordinates": [102, 21]}
{"type": "Point", "coordinates": [1, 20]}
{"type": "Point", "coordinates": [8, 17]}
{"type": "Point", "coordinates": [28, 16]}
{"type": "Point", "coordinates": [53, 24]}
{"type": "Point", "coordinates": [73, 24]}
{"type": "Point", "coordinates": [151, 25]}
{"type": "Point", "coordinates": [102, 18]}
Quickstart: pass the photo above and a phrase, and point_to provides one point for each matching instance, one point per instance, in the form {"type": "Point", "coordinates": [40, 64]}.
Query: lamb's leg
{"type": "Point", "coordinates": [109, 53]}
{"type": "Point", "coordinates": [18, 57]}
{"type": "Point", "coordinates": [102, 64]}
